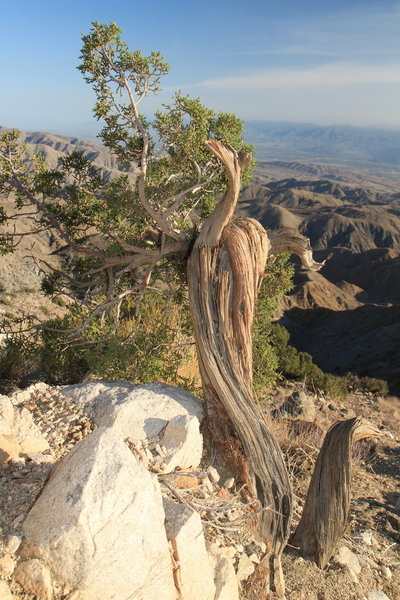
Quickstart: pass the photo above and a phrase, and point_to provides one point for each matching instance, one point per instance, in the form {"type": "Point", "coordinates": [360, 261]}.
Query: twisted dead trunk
{"type": "Point", "coordinates": [225, 270]}
{"type": "Point", "coordinates": [326, 511]}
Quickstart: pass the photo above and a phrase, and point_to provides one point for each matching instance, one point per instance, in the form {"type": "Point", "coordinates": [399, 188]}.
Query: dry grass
{"type": "Point", "coordinates": [390, 411]}
{"type": "Point", "coordinates": [300, 442]}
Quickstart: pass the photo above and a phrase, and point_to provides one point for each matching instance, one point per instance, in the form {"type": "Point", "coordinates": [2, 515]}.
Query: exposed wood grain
{"type": "Point", "coordinates": [225, 271]}
{"type": "Point", "coordinates": [326, 510]}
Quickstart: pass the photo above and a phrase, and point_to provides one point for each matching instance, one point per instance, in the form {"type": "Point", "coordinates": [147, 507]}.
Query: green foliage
{"type": "Point", "coordinates": [154, 351]}
{"type": "Point", "coordinates": [18, 352]}
{"type": "Point", "coordinates": [119, 230]}
{"type": "Point", "coordinates": [299, 365]}
{"type": "Point", "coordinates": [276, 283]}
{"type": "Point", "coordinates": [368, 384]}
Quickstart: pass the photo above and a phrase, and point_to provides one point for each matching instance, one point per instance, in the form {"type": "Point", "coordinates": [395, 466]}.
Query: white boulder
{"type": "Point", "coordinates": [134, 411]}
{"type": "Point", "coordinates": [225, 580]}
{"type": "Point", "coordinates": [98, 525]}
{"type": "Point", "coordinates": [35, 578]}
{"type": "Point", "coordinates": [6, 415]}
{"type": "Point", "coordinates": [28, 433]}
{"type": "Point", "coordinates": [159, 413]}
{"type": "Point", "coordinates": [5, 592]}
{"type": "Point", "coordinates": [182, 442]}
{"type": "Point", "coordinates": [194, 576]}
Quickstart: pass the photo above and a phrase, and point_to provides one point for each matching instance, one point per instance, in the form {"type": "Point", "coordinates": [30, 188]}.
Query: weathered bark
{"type": "Point", "coordinates": [326, 510]}
{"type": "Point", "coordinates": [225, 270]}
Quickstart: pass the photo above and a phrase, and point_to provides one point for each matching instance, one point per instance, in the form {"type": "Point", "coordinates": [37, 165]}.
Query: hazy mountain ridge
{"type": "Point", "coordinates": [344, 144]}
{"type": "Point", "coordinates": [53, 147]}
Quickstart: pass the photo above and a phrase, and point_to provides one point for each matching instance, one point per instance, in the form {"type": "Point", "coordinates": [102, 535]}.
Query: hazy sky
{"type": "Point", "coordinates": [296, 60]}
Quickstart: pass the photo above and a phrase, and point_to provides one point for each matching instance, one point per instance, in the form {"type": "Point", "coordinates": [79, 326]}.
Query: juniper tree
{"type": "Point", "coordinates": [173, 204]}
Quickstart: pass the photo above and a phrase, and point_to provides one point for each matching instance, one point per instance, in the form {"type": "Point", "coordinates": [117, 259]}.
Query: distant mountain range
{"type": "Point", "coordinates": [340, 144]}
{"type": "Point", "coordinates": [348, 314]}
{"type": "Point", "coordinates": [344, 145]}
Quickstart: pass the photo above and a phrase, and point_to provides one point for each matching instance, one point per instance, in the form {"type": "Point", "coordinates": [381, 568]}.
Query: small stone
{"type": "Point", "coordinates": [239, 548]}
{"type": "Point", "coordinates": [7, 565]}
{"type": "Point", "coordinates": [213, 474]}
{"type": "Point", "coordinates": [254, 558]}
{"type": "Point", "coordinates": [18, 521]}
{"type": "Point", "coordinates": [354, 576]}
{"type": "Point", "coordinates": [377, 595]}
{"type": "Point", "coordinates": [208, 485]}
{"type": "Point", "coordinates": [186, 481]}
{"type": "Point", "coordinates": [5, 593]}
{"type": "Point", "coordinates": [348, 559]}
{"type": "Point", "coordinates": [223, 493]}
{"type": "Point", "coordinates": [13, 543]}
{"type": "Point", "coordinates": [387, 573]}
{"type": "Point", "coordinates": [261, 545]}
{"type": "Point", "coordinates": [229, 551]}
{"type": "Point", "coordinates": [245, 568]}
{"type": "Point", "coordinates": [364, 537]}
{"type": "Point", "coordinates": [229, 483]}
{"type": "Point", "coordinates": [35, 578]}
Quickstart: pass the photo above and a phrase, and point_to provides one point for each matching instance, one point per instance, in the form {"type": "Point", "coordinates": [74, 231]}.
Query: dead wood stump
{"type": "Point", "coordinates": [327, 506]}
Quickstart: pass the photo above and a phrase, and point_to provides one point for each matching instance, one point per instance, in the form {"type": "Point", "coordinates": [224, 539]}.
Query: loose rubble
{"type": "Point", "coordinates": [64, 503]}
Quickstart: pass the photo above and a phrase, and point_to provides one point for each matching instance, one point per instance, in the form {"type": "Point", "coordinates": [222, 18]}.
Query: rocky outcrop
{"type": "Point", "coordinates": [299, 404]}
{"type": "Point", "coordinates": [100, 528]}
{"type": "Point", "coordinates": [97, 528]}
{"type": "Point", "coordinates": [18, 432]}
{"type": "Point", "coordinates": [194, 575]}
{"type": "Point", "coordinates": [100, 536]}
{"type": "Point", "coordinates": [161, 421]}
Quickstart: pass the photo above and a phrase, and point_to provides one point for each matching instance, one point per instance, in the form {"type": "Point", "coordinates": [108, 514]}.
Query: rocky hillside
{"type": "Point", "coordinates": [52, 147]}
{"type": "Point", "coordinates": [72, 527]}
{"type": "Point", "coordinates": [346, 315]}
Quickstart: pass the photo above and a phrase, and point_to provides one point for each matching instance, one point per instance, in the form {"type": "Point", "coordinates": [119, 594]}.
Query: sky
{"type": "Point", "coordinates": [314, 61]}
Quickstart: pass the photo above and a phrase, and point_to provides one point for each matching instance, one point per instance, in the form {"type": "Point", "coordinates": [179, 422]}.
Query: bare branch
{"type": "Point", "coordinates": [290, 240]}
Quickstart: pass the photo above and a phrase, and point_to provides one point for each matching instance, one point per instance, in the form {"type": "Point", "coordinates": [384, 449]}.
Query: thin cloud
{"type": "Point", "coordinates": [326, 75]}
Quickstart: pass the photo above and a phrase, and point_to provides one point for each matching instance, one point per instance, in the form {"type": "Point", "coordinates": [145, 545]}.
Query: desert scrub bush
{"type": "Point", "coordinates": [277, 282]}
{"type": "Point", "coordinates": [368, 384]}
{"type": "Point", "coordinates": [300, 442]}
{"type": "Point", "coordinates": [154, 351]}
{"type": "Point", "coordinates": [19, 350]}
{"type": "Point", "coordinates": [293, 364]}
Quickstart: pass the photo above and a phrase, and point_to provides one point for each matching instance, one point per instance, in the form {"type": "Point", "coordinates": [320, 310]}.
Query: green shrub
{"type": "Point", "coordinates": [368, 384]}
{"type": "Point", "coordinates": [277, 282]}
{"type": "Point", "coordinates": [153, 352]}
{"type": "Point", "coordinates": [18, 352]}
{"type": "Point", "coordinates": [293, 364]}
